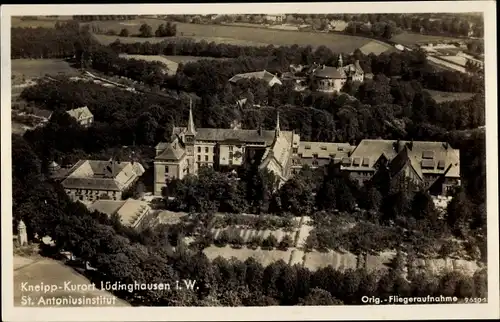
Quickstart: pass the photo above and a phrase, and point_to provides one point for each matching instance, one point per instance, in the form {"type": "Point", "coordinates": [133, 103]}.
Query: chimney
{"type": "Point", "coordinates": [259, 131]}
{"type": "Point", "coordinates": [396, 146]}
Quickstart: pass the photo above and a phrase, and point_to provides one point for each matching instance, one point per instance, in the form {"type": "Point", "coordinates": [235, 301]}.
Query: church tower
{"type": "Point", "coordinates": [340, 62]}
{"type": "Point", "coordinates": [190, 137]}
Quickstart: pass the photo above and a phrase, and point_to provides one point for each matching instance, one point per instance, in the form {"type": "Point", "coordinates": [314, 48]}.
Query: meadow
{"type": "Point", "coordinates": [35, 22]}
{"type": "Point", "coordinates": [172, 62]}
{"type": "Point", "coordinates": [238, 35]}
{"type": "Point", "coordinates": [409, 38]}
{"type": "Point", "coordinates": [31, 68]}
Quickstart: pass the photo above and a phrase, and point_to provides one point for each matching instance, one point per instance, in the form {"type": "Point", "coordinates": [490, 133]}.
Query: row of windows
{"type": "Point", "coordinates": [199, 157]}
{"type": "Point", "coordinates": [207, 149]}
{"type": "Point", "coordinates": [89, 191]}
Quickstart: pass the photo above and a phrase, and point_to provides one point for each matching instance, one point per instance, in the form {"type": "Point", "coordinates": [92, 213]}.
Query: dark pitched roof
{"type": "Point", "coordinates": [329, 72]}
{"type": "Point", "coordinates": [219, 135]}
{"type": "Point", "coordinates": [173, 151]}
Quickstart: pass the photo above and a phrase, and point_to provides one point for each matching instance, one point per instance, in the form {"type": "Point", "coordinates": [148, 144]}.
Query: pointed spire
{"type": "Point", "coordinates": [190, 128]}
{"type": "Point", "coordinates": [277, 130]}
{"type": "Point", "coordinates": [341, 62]}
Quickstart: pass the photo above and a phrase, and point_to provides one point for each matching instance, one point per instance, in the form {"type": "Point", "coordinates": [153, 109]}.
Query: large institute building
{"type": "Point", "coordinates": [433, 165]}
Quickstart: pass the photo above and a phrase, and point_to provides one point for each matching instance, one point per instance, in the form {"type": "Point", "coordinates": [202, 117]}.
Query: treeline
{"type": "Point", "coordinates": [62, 42]}
{"type": "Point", "coordinates": [449, 25]}
{"type": "Point", "coordinates": [407, 65]}
{"type": "Point", "coordinates": [219, 283]}
{"type": "Point", "coordinates": [103, 17]}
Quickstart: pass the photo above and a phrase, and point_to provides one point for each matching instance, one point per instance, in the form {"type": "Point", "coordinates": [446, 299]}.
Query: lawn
{"type": "Point", "coordinates": [31, 68]}
{"type": "Point", "coordinates": [409, 38]}
{"type": "Point", "coordinates": [237, 35]}
{"type": "Point", "coordinates": [441, 97]}
{"type": "Point", "coordinates": [44, 22]}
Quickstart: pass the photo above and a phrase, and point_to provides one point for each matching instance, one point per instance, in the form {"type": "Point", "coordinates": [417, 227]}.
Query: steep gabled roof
{"type": "Point", "coordinates": [264, 75]}
{"type": "Point", "coordinates": [80, 113]}
{"type": "Point", "coordinates": [173, 151]}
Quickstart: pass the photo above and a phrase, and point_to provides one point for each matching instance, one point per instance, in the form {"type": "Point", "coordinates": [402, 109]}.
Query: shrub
{"type": "Point", "coordinates": [286, 242]}
{"type": "Point", "coordinates": [222, 239]}
{"type": "Point", "coordinates": [255, 242]}
{"type": "Point", "coordinates": [270, 242]}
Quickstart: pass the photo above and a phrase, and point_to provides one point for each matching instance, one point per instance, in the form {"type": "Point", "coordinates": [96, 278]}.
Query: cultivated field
{"type": "Point", "coordinates": [40, 67]}
{"type": "Point", "coordinates": [238, 35]}
{"type": "Point", "coordinates": [440, 97]}
{"type": "Point", "coordinates": [44, 22]}
{"type": "Point", "coordinates": [409, 38]}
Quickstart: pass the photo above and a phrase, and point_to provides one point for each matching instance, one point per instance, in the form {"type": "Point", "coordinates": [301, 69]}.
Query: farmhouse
{"type": "Point", "coordinates": [132, 213]}
{"type": "Point", "coordinates": [191, 148]}
{"type": "Point", "coordinates": [82, 115]}
{"type": "Point", "coordinates": [264, 75]}
{"type": "Point", "coordinates": [90, 180]}
{"type": "Point", "coordinates": [328, 79]}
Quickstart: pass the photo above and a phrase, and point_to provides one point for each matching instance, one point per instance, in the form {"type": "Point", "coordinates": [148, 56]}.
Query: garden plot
{"type": "Point", "coordinates": [247, 233]}
{"type": "Point", "coordinates": [315, 260]}
{"type": "Point", "coordinates": [265, 257]}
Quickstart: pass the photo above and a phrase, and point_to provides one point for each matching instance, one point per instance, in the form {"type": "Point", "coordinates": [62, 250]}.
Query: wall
{"type": "Point", "coordinates": [92, 195]}
{"type": "Point", "coordinates": [225, 152]}
{"type": "Point", "coordinates": [202, 156]}
{"type": "Point", "coordinates": [174, 170]}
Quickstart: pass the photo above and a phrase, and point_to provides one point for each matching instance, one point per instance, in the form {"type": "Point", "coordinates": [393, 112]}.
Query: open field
{"type": "Point", "coordinates": [51, 272]}
{"type": "Point", "coordinates": [45, 22]}
{"type": "Point", "coordinates": [238, 35]}
{"type": "Point", "coordinates": [409, 38]}
{"type": "Point", "coordinates": [441, 97]}
{"type": "Point", "coordinates": [39, 67]}
{"type": "Point", "coordinates": [172, 62]}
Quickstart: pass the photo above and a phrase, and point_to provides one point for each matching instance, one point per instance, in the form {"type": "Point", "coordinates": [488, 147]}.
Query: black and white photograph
{"type": "Point", "coordinates": [240, 159]}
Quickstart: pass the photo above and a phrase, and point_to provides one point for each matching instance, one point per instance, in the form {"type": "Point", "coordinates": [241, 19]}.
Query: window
{"type": "Point", "coordinates": [307, 147]}
{"type": "Point", "coordinates": [199, 157]}
{"type": "Point", "coordinates": [206, 157]}
{"type": "Point", "coordinates": [230, 148]}
{"type": "Point", "coordinates": [295, 150]}
{"type": "Point", "coordinates": [230, 162]}
{"type": "Point", "coordinates": [206, 149]}
{"type": "Point", "coordinates": [230, 155]}
{"type": "Point", "coordinates": [199, 149]}
{"type": "Point", "coordinates": [315, 162]}
{"type": "Point", "coordinates": [315, 155]}
{"type": "Point", "coordinates": [323, 148]}
{"type": "Point", "coordinates": [166, 169]}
